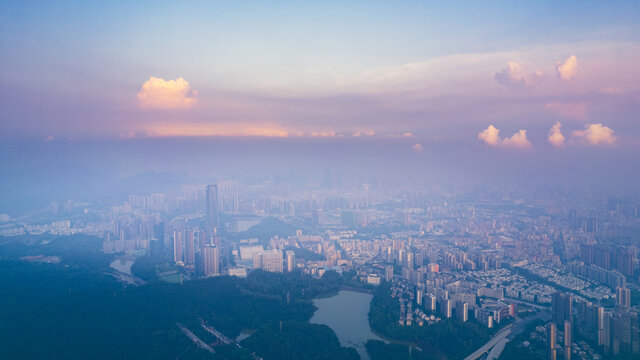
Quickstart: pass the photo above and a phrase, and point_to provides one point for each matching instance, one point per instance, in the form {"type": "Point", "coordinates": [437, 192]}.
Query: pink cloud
{"type": "Point", "coordinates": [555, 135]}
{"type": "Point", "coordinates": [596, 134]}
{"type": "Point", "coordinates": [568, 69]}
{"type": "Point", "coordinates": [417, 148]}
{"type": "Point", "coordinates": [491, 136]}
{"type": "Point", "coordinates": [513, 76]}
{"type": "Point", "coordinates": [157, 93]}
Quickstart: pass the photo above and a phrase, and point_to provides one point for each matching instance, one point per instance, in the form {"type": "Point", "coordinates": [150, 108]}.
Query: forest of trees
{"type": "Point", "coordinates": [72, 310]}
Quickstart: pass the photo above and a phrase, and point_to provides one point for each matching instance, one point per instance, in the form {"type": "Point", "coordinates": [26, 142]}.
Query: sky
{"type": "Point", "coordinates": [500, 80]}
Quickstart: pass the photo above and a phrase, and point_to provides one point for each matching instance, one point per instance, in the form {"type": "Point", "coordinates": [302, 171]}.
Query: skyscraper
{"type": "Point", "coordinates": [211, 260]}
{"type": "Point", "coordinates": [213, 216]}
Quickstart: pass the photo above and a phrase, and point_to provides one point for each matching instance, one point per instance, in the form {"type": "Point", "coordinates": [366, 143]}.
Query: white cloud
{"type": "Point", "coordinates": [555, 135]}
{"type": "Point", "coordinates": [157, 93]}
{"type": "Point", "coordinates": [576, 111]}
{"type": "Point", "coordinates": [568, 69]}
{"type": "Point", "coordinates": [417, 148]}
{"type": "Point", "coordinates": [513, 76]}
{"type": "Point", "coordinates": [4, 218]}
{"type": "Point", "coordinates": [491, 136]}
{"type": "Point", "coordinates": [596, 134]}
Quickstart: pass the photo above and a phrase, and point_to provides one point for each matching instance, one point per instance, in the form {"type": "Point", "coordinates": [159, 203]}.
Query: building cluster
{"type": "Point", "coordinates": [449, 252]}
{"type": "Point", "coordinates": [615, 330]}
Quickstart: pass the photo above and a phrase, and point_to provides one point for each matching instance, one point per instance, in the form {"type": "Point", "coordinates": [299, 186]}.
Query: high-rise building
{"type": "Point", "coordinates": [446, 308]}
{"type": "Point", "coordinates": [623, 297]}
{"type": "Point", "coordinates": [625, 332]}
{"type": "Point", "coordinates": [462, 311]}
{"type": "Point", "coordinates": [419, 296]}
{"type": "Point", "coordinates": [211, 260]}
{"type": "Point", "coordinates": [588, 320]}
{"type": "Point", "coordinates": [551, 341]}
{"type": "Point", "coordinates": [291, 261]}
{"type": "Point", "coordinates": [213, 216]}
{"type": "Point", "coordinates": [177, 245]}
{"type": "Point", "coordinates": [568, 338]}
{"type": "Point", "coordinates": [388, 273]}
{"type": "Point", "coordinates": [601, 325]}
{"type": "Point", "coordinates": [410, 260]}
{"type": "Point", "coordinates": [561, 307]}
{"type": "Point", "coordinates": [268, 260]}
{"type": "Point", "coordinates": [189, 247]}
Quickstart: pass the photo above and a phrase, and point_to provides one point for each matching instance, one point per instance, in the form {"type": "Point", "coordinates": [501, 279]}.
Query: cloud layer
{"type": "Point", "coordinates": [157, 93]}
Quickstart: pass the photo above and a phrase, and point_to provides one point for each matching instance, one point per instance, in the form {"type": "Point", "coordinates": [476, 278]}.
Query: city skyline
{"type": "Point", "coordinates": [361, 180]}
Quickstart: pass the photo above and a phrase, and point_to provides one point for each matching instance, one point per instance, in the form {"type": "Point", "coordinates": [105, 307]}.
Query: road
{"type": "Point", "coordinates": [509, 331]}
{"type": "Point", "coordinates": [491, 343]}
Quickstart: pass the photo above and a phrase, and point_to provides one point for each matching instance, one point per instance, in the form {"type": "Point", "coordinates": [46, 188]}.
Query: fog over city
{"type": "Point", "coordinates": [335, 180]}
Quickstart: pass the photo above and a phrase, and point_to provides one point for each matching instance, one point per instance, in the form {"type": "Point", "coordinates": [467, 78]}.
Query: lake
{"type": "Point", "coordinates": [347, 313]}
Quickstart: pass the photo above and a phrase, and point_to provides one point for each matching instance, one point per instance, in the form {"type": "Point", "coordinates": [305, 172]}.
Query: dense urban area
{"type": "Point", "coordinates": [232, 269]}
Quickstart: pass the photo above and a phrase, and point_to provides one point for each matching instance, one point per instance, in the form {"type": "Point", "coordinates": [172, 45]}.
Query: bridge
{"type": "Point", "coordinates": [222, 338]}
{"type": "Point", "coordinates": [196, 340]}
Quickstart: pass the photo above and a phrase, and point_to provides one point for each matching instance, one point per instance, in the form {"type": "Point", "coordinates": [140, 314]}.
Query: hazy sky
{"type": "Point", "coordinates": [434, 70]}
{"type": "Point", "coordinates": [540, 88]}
